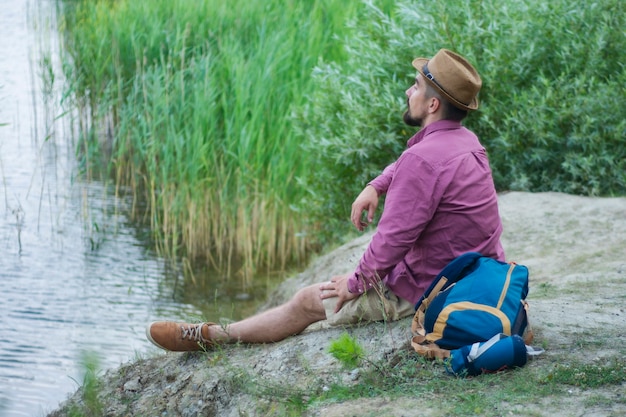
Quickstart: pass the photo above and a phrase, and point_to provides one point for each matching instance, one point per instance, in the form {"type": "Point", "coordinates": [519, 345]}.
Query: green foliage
{"type": "Point", "coordinates": [551, 114]}
{"type": "Point", "coordinates": [346, 350]}
{"type": "Point", "coordinates": [245, 129]}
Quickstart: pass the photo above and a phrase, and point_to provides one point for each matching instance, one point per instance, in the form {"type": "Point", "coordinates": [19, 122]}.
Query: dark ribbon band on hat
{"type": "Point", "coordinates": [431, 77]}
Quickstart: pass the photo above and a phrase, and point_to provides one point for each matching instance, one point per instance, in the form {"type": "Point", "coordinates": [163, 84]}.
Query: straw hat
{"type": "Point", "coordinates": [452, 76]}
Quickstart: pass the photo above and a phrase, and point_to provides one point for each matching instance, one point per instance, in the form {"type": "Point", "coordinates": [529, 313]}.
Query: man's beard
{"type": "Point", "coordinates": [410, 120]}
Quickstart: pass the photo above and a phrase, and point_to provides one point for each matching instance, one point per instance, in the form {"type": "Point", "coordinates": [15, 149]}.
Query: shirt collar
{"type": "Point", "coordinates": [433, 127]}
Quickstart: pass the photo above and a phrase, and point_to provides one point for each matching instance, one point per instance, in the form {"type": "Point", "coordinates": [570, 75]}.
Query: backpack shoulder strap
{"type": "Point", "coordinates": [451, 273]}
{"type": "Point", "coordinates": [454, 271]}
{"type": "Point", "coordinates": [458, 267]}
{"type": "Point", "coordinates": [428, 350]}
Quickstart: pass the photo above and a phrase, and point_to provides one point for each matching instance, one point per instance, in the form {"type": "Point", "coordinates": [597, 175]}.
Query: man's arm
{"type": "Point", "coordinates": [409, 207]}
{"type": "Point", "coordinates": [368, 199]}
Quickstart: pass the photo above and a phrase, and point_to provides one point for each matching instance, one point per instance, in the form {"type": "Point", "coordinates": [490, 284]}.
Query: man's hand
{"type": "Point", "coordinates": [366, 201]}
{"type": "Point", "coordinates": [338, 287]}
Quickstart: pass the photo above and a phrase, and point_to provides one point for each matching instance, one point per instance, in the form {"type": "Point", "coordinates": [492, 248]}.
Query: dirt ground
{"type": "Point", "coordinates": [575, 249]}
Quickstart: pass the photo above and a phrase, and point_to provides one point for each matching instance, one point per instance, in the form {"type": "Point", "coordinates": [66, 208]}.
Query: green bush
{"type": "Point", "coordinates": [551, 114]}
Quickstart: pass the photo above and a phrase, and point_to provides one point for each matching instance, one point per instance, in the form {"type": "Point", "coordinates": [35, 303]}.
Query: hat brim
{"type": "Point", "coordinates": [418, 64]}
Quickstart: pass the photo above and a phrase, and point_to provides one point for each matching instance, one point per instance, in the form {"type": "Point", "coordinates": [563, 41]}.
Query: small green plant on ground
{"type": "Point", "coordinates": [347, 351]}
{"type": "Point", "coordinates": [90, 388]}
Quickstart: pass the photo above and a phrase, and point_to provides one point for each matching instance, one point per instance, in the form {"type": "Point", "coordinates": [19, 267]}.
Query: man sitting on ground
{"type": "Point", "coordinates": [440, 203]}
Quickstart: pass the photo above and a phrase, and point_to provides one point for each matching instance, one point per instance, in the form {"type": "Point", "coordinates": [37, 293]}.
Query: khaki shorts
{"type": "Point", "coordinates": [376, 305]}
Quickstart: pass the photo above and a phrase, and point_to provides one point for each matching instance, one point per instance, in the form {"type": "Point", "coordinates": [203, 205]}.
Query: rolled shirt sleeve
{"type": "Point", "coordinates": [382, 182]}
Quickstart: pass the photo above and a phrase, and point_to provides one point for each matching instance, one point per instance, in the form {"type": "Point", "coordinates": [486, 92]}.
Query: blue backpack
{"type": "Point", "coordinates": [472, 299]}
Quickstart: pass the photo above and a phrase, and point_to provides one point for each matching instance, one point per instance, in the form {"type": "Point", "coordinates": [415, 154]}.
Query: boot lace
{"type": "Point", "coordinates": [193, 333]}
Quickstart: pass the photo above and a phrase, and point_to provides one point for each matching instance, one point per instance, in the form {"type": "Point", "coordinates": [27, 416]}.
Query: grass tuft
{"type": "Point", "coordinates": [347, 350]}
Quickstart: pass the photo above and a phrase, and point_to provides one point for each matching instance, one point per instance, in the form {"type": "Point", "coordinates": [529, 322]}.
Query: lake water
{"type": "Point", "coordinates": [76, 276]}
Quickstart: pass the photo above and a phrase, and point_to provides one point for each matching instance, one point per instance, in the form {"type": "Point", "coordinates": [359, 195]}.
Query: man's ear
{"type": "Point", "coordinates": [433, 105]}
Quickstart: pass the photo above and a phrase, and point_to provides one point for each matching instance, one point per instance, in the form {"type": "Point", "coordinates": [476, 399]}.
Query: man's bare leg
{"type": "Point", "coordinates": [291, 318]}
{"type": "Point", "coordinates": [304, 309]}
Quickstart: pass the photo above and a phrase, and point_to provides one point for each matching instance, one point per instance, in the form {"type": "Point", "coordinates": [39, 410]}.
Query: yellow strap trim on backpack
{"type": "Point", "coordinates": [505, 287]}
{"type": "Point", "coordinates": [442, 319]}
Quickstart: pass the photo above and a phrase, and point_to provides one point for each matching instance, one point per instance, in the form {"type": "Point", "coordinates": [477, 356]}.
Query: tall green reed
{"type": "Point", "coordinates": [197, 97]}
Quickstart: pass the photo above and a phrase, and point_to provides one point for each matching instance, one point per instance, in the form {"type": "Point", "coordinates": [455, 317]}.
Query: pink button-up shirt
{"type": "Point", "coordinates": [441, 202]}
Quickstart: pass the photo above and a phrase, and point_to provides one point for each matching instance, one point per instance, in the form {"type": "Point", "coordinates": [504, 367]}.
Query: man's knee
{"type": "Point", "coordinates": [308, 301]}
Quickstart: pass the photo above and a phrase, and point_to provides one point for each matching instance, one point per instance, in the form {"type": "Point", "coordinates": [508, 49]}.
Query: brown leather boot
{"type": "Point", "coordinates": [179, 337]}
